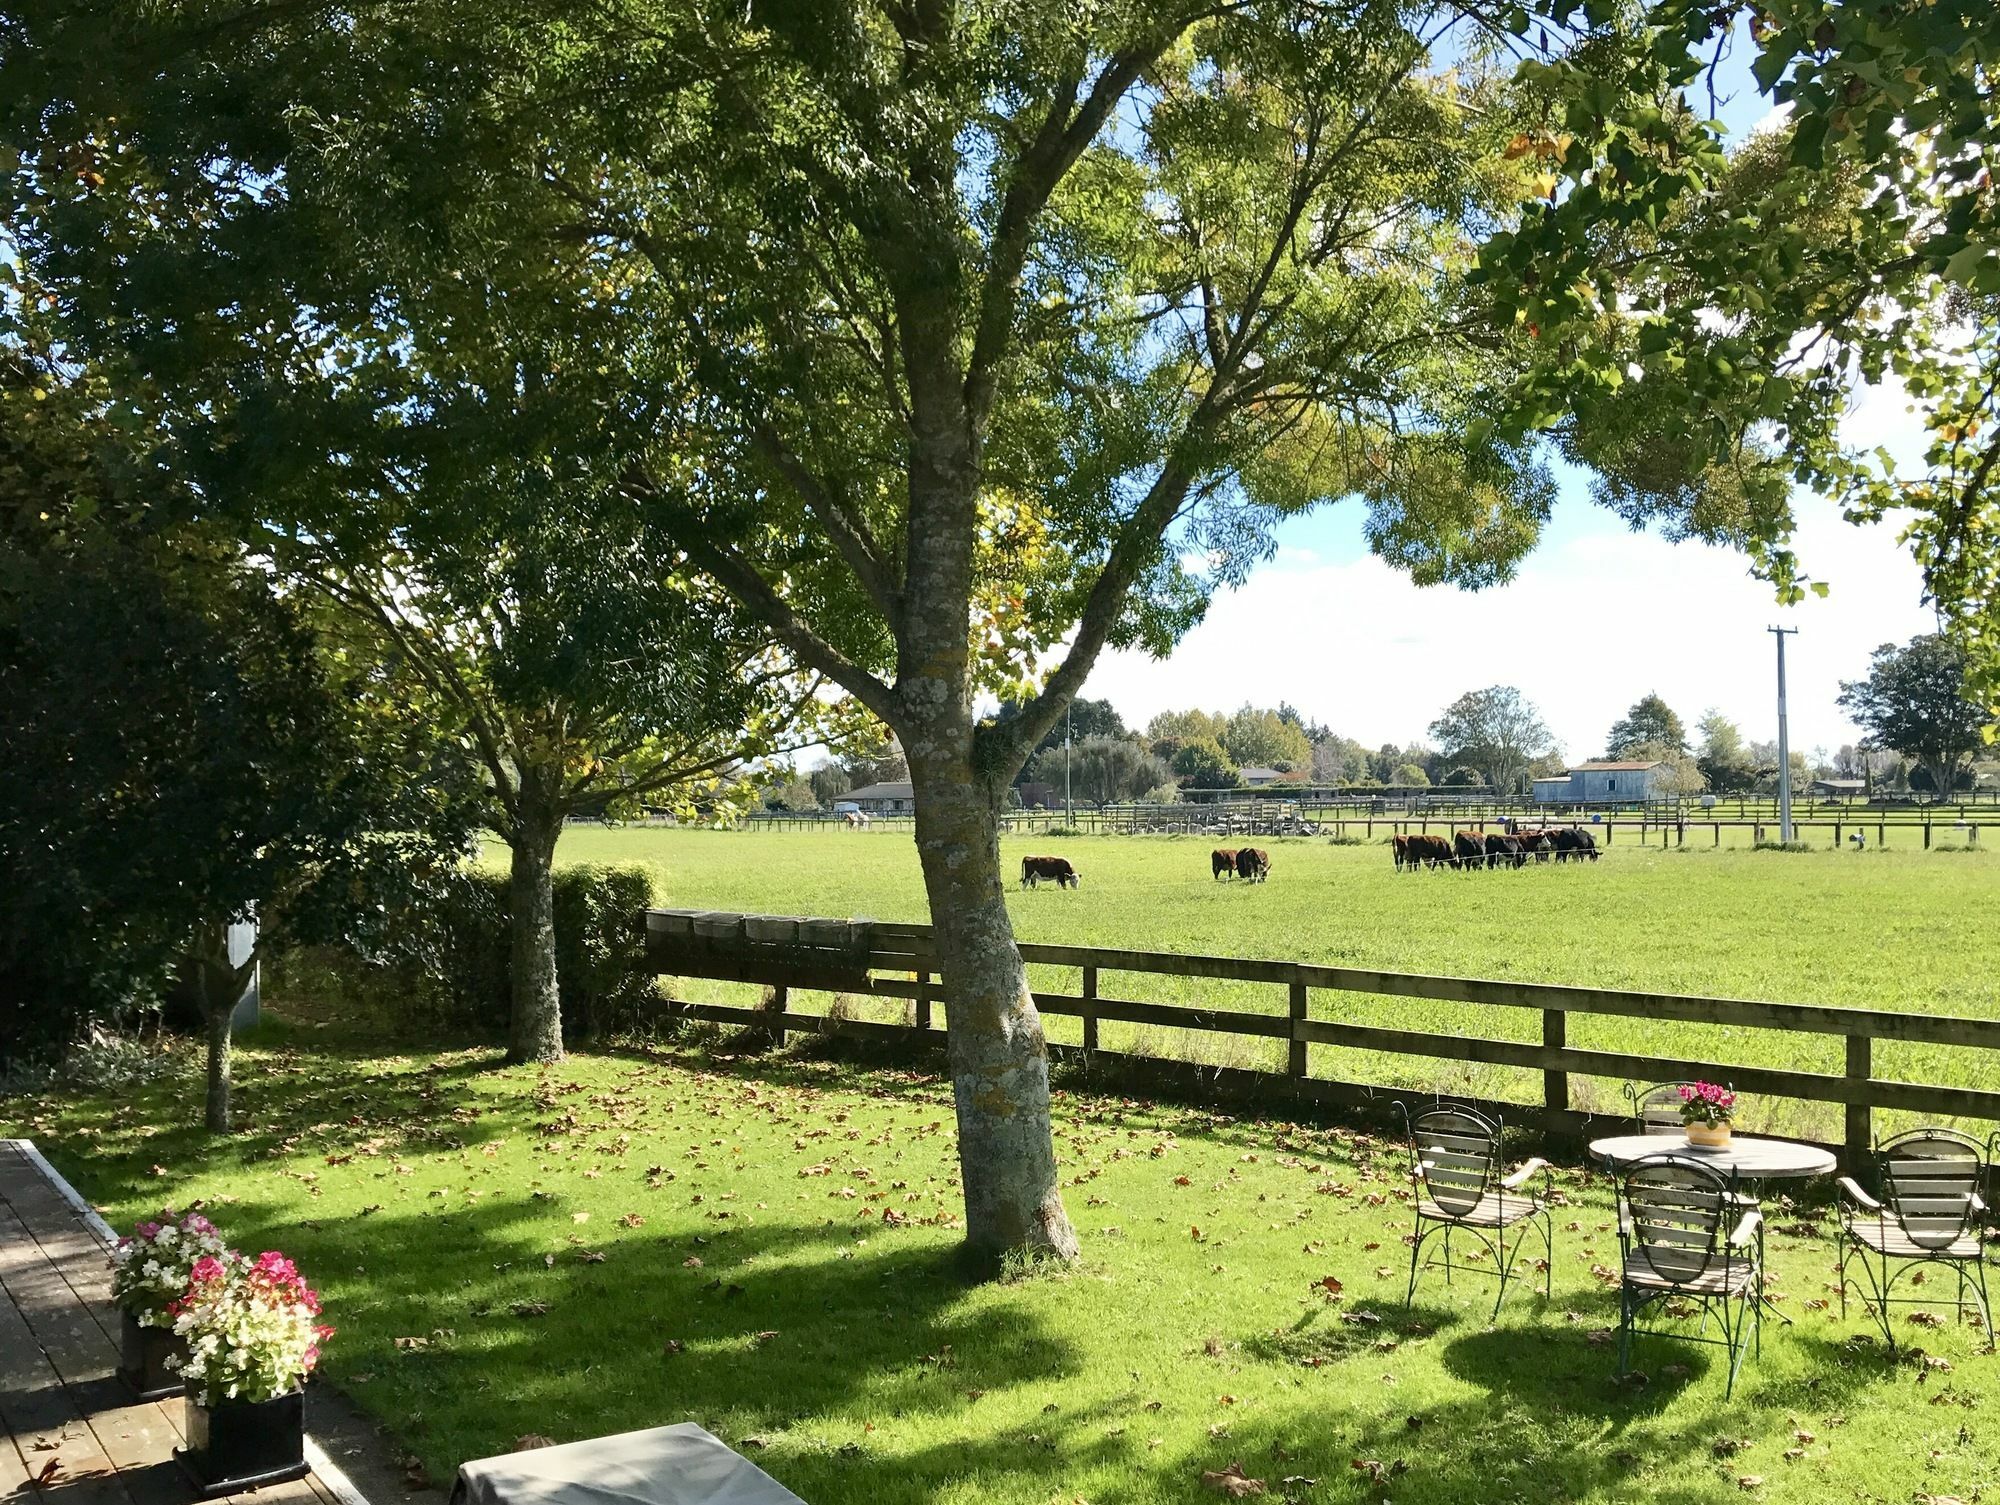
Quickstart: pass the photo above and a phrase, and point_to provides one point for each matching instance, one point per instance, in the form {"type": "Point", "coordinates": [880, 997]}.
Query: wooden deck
{"type": "Point", "coordinates": [65, 1418]}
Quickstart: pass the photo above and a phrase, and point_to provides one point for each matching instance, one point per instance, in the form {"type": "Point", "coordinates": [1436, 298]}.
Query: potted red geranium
{"type": "Point", "coordinates": [150, 1269]}
{"type": "Point", "coordinates": [1706, 1110]}
{"type": "Point", "coordinates": [252, 1337]}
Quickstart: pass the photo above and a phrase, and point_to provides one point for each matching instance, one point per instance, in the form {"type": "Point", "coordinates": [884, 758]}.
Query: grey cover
{"type": "Point", "coordinates": [677, 1465]}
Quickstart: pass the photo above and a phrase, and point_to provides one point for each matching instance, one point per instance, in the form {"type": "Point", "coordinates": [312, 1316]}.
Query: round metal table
{"type": "Point", "coordinates": [1745, 1157]}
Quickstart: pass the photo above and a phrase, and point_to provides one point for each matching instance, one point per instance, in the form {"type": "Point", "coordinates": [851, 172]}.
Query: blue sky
{"type": "Point", "coordinates": [1598, 616]}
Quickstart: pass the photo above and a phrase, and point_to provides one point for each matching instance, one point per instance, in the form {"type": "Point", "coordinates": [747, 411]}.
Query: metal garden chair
{"type": "Point", "coordinates": [1684, 1236]}
{"type": "Point", "coordinates": [1455, 1165]}
{"type": "Point", "coordinates": [1657, 1109]}
{"type": "Point", "coordinates": [1930, 1212]}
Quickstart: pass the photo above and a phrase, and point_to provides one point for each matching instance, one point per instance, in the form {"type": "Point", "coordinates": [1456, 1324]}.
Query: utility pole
{"type": "Point", "coordinates": [1784, 742]}
{"type": "Point", "coordinates": [1069, 805]}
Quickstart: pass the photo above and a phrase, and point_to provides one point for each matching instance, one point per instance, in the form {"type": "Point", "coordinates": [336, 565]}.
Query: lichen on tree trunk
{"type": "Point", "coordinates": [998, 1056]}
{"type": "Point", "coordinates": [535, 1017]}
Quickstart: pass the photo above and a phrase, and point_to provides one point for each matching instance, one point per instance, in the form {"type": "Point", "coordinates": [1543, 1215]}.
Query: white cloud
{"type": "Point", "coordinates": [1594, 620]}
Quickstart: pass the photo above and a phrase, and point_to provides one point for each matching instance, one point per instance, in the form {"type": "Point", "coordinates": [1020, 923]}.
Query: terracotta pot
{"type": "Point", "coordinates": [234, 1445]}
{"type": "Point", "coordinates": [143, 1355]}
{"type": "Point", "coordinates": [1709, 1136]}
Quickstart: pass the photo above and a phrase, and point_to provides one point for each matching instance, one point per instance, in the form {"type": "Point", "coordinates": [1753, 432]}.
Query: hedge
{"type": "Point", "coordinates": [444, 965]}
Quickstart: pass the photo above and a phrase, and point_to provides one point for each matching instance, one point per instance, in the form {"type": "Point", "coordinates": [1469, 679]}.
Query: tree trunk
{"type": "Point", "coordinates": [217, 985]}
{"type": "Point", "coordinates": [999, 1059]}
{"type": "Point", "coordinates": [535, 1017]}
{"type": "Point", "coordinates": [217, 1021]}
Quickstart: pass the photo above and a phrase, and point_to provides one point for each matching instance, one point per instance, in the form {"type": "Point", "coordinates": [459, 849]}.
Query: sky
{"type": "Point", "coordinates": [1597, 617]}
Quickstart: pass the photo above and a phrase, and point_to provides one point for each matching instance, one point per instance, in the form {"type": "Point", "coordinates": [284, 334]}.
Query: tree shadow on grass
{"type": "Point", "coordinates": [466, 1330]}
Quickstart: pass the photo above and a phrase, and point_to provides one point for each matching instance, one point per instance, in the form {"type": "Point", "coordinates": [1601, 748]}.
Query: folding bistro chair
{"type": "Point", "coordinates": [1930, 1212]}
{"type": "Point", "coordinates": [1683, 1235]}
{"type": "Point", "coordinates": [1657, 1109]}
{"type": "Point", "coordinates": [1455, 1164]}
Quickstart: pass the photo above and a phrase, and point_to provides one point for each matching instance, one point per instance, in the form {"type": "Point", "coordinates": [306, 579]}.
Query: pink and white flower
{"type": "Point", "coordinates": [249, 1326]}
{"type": "Point", "coordinates": [151, 1267]}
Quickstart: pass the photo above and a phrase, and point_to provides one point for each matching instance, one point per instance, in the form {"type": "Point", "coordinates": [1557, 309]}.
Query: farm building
{"type": "Point", "coordinates": [1608, 783]}
{"type": "Point", "coordinates": [883, 799]}
{"type": "Point", "coordinates": [1257, 778]}
{"type": "Point", "coordinates": [1839, 789]}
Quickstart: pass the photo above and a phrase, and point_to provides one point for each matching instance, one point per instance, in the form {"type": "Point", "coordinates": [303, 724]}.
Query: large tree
{"type": "Point", "coordinates": [958, 343]}
{"type": "Point", "coordinates": [1497, 731]}
{"type": "Point", "coordinates": [1258, 736]}
{"type": "Point", "coordinates": [1723, 760]}
{"type": "Point", "coordinates": [1101, 769]}
{"type": "Point", "coordinates": [1915, 701]}
{"type": "Point", "coordinates": [1650, 723]}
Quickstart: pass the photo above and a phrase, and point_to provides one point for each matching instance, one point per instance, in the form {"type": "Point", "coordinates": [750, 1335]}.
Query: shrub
{"type": "Point", "coordinates": [446, 964]}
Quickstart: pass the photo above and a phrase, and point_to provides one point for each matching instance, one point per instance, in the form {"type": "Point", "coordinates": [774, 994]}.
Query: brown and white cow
{"type": "Point", "coordinates": [1222, 862]}
{"type": "Point", "coordinates": [1469, 847]}
{"type": "Point", "coordinates": [1035, 870]}
{"type": "Point", "coordinates": [1253, 864]}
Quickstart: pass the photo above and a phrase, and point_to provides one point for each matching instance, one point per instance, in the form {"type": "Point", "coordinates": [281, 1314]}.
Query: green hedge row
{"type": "Point", "coordinates": [444, 963]}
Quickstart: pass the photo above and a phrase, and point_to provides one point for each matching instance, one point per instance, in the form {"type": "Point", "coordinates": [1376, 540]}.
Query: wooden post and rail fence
{"type": "Point", "coordinates": [897, 961]}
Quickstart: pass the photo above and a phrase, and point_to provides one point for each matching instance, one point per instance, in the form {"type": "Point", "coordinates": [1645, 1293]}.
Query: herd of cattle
{"type": "Point", "coordinates": [1461, 849]}
{"type": "Point", "coordinates": [1494, 848]}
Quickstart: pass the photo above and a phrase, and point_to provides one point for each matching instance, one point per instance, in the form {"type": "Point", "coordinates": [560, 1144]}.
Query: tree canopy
{"type": "Point", "coordinates": [1650, 723]}
{"type": "Point", "coordinates": [1702, 317]}
{"type": "Point", "coordinates": [1497, 730]}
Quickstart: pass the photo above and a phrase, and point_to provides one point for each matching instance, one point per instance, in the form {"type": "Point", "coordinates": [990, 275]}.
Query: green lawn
{"type": "Point", "coordinates": [769, 1249]}
{"type": "Point", "coordinates": [1901, 929]}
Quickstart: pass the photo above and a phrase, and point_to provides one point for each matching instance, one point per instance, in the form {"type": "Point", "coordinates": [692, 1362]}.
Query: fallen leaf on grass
{"type": "Point", "coordinates": [1377, 1470]}
{"type": "Point", "coordinates": [528, 1441]}
{"type": "Point", "coordinates": [529, 1309]}
{"type": "Point", "coordinates": [1232, 1481]}
{"type": "Point", "coordinates": [1750, 1481]}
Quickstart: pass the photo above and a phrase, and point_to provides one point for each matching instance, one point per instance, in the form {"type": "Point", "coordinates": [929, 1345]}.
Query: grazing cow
{"type": "Point", "coordinates": [1539, 844]}
{"type": "Point", "coordinates": [1435, 850]}
{"type": "Point", "coordinates": [1253, 864]}
{"type": "Point", "coordinates": [1505, 851]}
{"type": "Point", "coordinates": [1056, 869]}
{"type": "Point", "coordinates": [1470, 848]}
{"type": "Point", "coordinates": [1222, 862]}
{"type": "Point", "coordinates": [1401, 844]}
{"type": "Point", "coordinates": [1575, 844]}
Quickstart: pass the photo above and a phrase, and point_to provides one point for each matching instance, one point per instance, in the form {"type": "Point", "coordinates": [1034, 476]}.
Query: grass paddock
{"type": "Point", "coordinates": [1895, 929]}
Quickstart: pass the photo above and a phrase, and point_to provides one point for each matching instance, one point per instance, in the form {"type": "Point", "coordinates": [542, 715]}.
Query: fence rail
{"type": "Point", "coordinates": [854, 960]}
{"type": "Point", "coordinates": [1666, 829]}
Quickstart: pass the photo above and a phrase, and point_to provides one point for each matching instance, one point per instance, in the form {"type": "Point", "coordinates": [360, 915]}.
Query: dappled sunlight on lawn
{"type": "Point", "coordinates": [771, 1248]}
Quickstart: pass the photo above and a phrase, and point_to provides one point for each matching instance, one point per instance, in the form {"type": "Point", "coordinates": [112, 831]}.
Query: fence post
{"type": "Point", "coordinates": [1089, 1014]}
{"type": "Point", "coordinates": [1296, 1064]}
{"type": "Point", "coordinates": [1860, 1066]}
{"type": "Point", "coordinates": [1927, 836]}
{"type": "Point", "coordinates": [780, 997]}
{"type": "Point", "coordinates": [923, 1000]}
{"type": "Point", "coordinates": [1555, 1084]}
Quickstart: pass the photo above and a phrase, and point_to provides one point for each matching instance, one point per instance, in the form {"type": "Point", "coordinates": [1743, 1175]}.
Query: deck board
{"type": "Point", "coordinates": [60, 1398]}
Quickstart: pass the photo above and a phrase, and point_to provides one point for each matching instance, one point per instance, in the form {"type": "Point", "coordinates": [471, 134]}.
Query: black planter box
{"type": "Point", "coordinates": [241, 1444]}
{"type": "Point", "coordinates": [144, 1354]}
